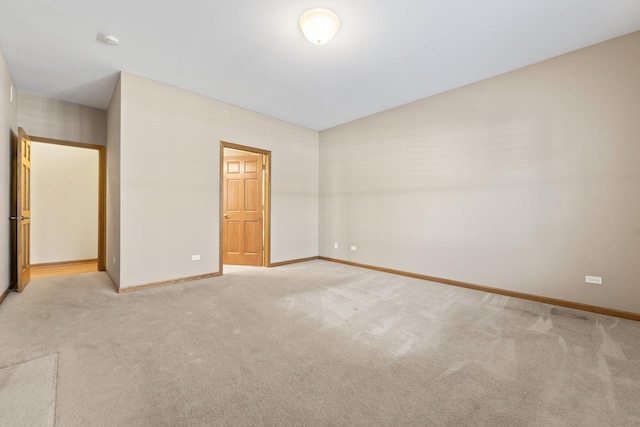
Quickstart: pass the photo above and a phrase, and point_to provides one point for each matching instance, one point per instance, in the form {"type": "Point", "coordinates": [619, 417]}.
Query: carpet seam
{"type": "Point", "coordinates": [29, 360]}
{"type": "Point", "coordinates": [55, 397]}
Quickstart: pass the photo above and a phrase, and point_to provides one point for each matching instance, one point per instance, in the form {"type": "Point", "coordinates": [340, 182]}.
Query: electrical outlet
{"type": "Point", "coordinates": [195, 257]}
{"type": "Point", "coordinates": [335, 245]}
{"type": "Point", "coordinates": [593, 279]}
{"type": "Point", "coordinates": [353, 248]}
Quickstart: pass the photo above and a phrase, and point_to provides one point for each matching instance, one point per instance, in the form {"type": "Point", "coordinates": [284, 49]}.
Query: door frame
{"type": "Point", "coordinates": [266, 217]}
{"type": "Point", "coordinates": [102, 191]}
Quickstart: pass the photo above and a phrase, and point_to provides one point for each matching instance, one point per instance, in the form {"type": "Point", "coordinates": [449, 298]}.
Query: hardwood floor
{"type": "Point", "coordinates": [63, 268]}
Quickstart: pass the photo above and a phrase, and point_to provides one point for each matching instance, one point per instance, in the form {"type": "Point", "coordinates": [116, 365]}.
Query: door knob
{"type": "Point", "coordinates": [225, 215]}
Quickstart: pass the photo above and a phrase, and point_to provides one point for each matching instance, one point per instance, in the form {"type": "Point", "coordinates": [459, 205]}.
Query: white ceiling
{"type": "Point", "coordinates": [250, 52]}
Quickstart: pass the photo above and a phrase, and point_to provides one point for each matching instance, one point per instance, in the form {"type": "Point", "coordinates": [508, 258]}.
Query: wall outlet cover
{"type": "Point", "coordinates": [195, 257]}
{"type": "Point", "coordinates": [353, 248]}
{"type": "Point", "coordinates": [593, 279]}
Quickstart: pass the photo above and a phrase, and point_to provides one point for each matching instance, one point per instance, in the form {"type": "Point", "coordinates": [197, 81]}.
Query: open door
{"type": "Point", "coordinates": [242, 210]}
{"type": "Point", "coordinates": [22, 216]}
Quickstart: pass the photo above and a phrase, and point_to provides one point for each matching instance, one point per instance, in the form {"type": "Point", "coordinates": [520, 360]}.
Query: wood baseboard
{"type": "Point", "coordinates": [167, 282]}
{"type": "Point", "coordinates": [521, 295]}
{"type": "Point", "coordinates": [292, 261]}
{"type": "Point", "coordinates": [113, 282]}
{"type": "Point", "coordinates": [3, 295]}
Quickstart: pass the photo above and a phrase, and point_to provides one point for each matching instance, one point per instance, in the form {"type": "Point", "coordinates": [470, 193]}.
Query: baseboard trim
{"type": "Point", "coordinates": [64, 263]}
{"type": "Point", "coordinates": [3, 295]}
{"type": "Point", "coordinates": [113, 282]}
{"type": "Point", "coordinates": [521, 295]}
{"type": "Point", "coordinates": [292, 261]}
{"type": "Point", "coordinates": [167, 282]}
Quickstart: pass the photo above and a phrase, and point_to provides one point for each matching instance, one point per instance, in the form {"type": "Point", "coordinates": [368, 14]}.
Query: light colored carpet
{"type": "Point", "coordinates": [28, 392]}
{"type": "Point", "coordinates": [320, 343]}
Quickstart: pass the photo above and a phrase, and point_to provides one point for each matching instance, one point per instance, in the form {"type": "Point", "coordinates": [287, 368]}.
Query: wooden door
{"type": "Point", "coordinates": [23, 212]}
{"type": "Point", "coordinates": [242, 210]}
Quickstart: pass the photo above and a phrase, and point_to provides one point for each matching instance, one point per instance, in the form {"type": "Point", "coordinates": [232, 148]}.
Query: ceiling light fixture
{"type": "Point", "coordinates": [108, 39]}
{"type": "Point", "coordinates": [319, 25]}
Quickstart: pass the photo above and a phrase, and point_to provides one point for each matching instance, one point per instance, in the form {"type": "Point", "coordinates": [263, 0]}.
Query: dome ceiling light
{"type": "Point", "coordinates": [108, 39]}
{"type": "Point", "coordinates": [319, 25]}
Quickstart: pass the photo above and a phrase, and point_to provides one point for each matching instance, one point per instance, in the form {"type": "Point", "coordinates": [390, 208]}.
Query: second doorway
{"type": "Point", "coordinates": [245, 178]}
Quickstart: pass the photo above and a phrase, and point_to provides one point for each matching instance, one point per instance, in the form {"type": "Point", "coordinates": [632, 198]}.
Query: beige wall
{"type": "Point", "coordinates": [527, 181]}
{"type": "Point", "coordinates": [169, 205]}
{"type": "Point", "coordinates": [64, 203]}
{"type": "Point", "coordinates": [113, 185]}
{"type": "Point", "coordinates": [8, 123]}
{"type": "Point", "coordinates": [52, 118]}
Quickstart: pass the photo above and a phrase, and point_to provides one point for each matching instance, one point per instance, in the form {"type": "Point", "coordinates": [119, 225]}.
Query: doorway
{"type": "Point", "coordinates": [245, 177]}
{"type": "Point", "coordinates": [19, 239]}
{"type": "Point", "coordinates": [13, 252]}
